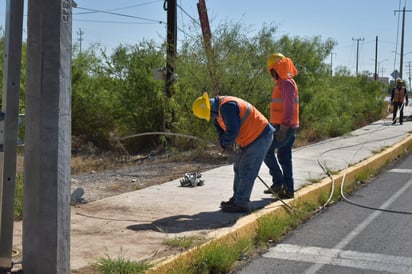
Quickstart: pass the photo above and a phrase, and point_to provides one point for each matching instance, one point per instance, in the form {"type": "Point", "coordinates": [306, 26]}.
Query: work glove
{"type": "Point", "coordinates": [233, 149]}
{"type": "Point", "coordinates": [221, 147]}
{"type": "Point", "coordinates": [282, 133]}
{"type": "Point", "coordinates": [225, 148]}
{"type": "Point", "coordinates": [236, 148]}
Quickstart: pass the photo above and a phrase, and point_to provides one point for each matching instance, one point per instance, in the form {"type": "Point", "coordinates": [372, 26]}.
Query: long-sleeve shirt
{"type": "Point", "coordinates": [287, 89]}
{"type": "Point", "coordinates": [230, 114]}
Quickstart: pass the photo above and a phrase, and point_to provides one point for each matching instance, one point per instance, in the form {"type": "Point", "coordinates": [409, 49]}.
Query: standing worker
{"type": "Point", "coordinates": [284, 117]}
{"type": "Point", "coordinates": [243, 131]}
{"type": "Point", "coordinates": [399, 98]}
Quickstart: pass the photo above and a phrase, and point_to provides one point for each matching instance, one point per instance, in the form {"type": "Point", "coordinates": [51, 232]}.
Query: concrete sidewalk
{"type": "Point", "coordinates": [134, 225]}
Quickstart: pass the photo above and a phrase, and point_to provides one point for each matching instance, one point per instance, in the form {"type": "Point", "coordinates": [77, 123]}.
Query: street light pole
{"type": "Point", "coordinates": [357, 51]}
{"type": "Point", "coordinates": [402, 40]}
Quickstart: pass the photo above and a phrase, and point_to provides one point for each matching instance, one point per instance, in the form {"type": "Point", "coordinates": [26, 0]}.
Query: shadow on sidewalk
{"type": "Point", "coordinates": [199, 221]}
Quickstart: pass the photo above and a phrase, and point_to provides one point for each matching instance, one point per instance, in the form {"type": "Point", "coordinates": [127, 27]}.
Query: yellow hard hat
{"type": "Point", "coordinates": [201, 107]}
{"type": "Point", "coordinates": [273, 59]}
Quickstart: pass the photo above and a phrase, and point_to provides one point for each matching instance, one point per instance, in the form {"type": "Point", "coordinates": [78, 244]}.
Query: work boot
{"type": "Point", "coordinates": [232, 207]}
{"type": "Point", "coordinates": [393, 122]}
{"type": "Point", "coordinates": [286, 195]}
{"type": "Point", "coordinates": [275, 188]}
{"type": "Point", "coordinates": [223, 203]}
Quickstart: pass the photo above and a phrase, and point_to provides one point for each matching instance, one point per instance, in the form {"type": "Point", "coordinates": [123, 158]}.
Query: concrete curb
{"type": "Point", "coordinates": [246, 226]}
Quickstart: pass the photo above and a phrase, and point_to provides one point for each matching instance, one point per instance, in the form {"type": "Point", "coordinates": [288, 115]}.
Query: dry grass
{"type": "Point", "coordinates": [81, 164]}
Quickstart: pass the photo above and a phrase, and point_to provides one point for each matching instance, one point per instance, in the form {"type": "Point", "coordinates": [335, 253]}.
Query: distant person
{"type": "Point", "coordinates": [399, 98]}
{"type": "Point", "coordinates": [245, 132]}
{"type": "Point", "coordinates": [284, 117]}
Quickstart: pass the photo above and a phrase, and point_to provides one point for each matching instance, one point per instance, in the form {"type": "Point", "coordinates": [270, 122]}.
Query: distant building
{"type": "Point", "coordinates": [383, 80]}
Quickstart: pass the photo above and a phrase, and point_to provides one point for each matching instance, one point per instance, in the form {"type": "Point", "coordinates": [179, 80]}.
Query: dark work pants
{"type": "Point", "coordinates": [397, 106]}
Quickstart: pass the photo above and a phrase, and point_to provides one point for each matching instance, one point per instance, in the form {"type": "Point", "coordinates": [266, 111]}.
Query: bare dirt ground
{"type": "Point", "coordinates": [110, 179]}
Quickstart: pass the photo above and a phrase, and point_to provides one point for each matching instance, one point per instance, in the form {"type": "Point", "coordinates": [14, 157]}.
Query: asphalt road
{"type": "Point", "coordinates": [350, 238]}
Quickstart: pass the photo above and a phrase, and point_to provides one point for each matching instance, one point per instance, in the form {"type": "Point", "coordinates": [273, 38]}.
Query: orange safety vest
{"type": "Point", "coordinates": [399, 95]}
{"type": "Point", "coordinates": [277, 106]}
{"type": "Point", "coordinates": [252, 122]}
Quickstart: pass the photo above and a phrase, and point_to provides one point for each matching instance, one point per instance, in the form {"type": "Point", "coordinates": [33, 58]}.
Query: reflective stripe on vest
{"type": "Point", "coordinates": [248, 111]}
{"type": "Point", "coordinates": [252, 122]}
{"type": "Point", "coordinates": [399, 95]}
{"type": "Point", "coordinates": [277, 108]}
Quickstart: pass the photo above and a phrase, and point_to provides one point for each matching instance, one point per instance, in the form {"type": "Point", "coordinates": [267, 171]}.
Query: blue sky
{"type": "Point", "coordinates": [342, 20]}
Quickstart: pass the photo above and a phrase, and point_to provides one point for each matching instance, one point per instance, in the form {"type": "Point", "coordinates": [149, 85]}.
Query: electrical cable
{"type": "Point", "coordinates": [345, 172]}
{"type": "Point", "coordinates": [119, 22]}
{"type": "Point", "coordinates": [276, 195]}
{"type": "Point", "coordinates": [167, 133]}
{"type": "Point", "coordinates": [202, 140]}
{"type": "Point", "coordinates": [366, 206]}
{"type": "Point", "coordinates": [122, 8]}
{"type": "Point", "coordinates": [123, 15]}
{"type": "Point", "coordinates": [187, 14]}
{"type": "Point", "coordinates": [324, 168]}
{"type": "Point", "coordinates": [342, 137]}
{"type": "Point", "coordinates": [363, 205]}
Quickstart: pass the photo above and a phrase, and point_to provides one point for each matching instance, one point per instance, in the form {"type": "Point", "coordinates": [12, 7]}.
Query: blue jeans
{"type": "Point", "coordinates": [279, 161]}
{"type": "Point", "coordinates": [246, 165]}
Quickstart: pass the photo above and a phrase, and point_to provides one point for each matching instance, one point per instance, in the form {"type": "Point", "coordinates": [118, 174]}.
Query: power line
{"type": "Point", "coordinates": [123, 15]}
{"type": "Point", "coordinates": [130, 16]}
{"type": "Point", "coordinates": [147, 20]}
{"type": "Point", "coordinates": [118, 22]}
{"type": "Point", "coordinates": [123, 8]}
{"type": "Point", "coordinates": [188, 15]}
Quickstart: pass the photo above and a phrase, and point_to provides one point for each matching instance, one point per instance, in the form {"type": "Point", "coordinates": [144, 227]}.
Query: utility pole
{"type": "Point", "coordinates": [207, 37]}
{"type": "Point", "coordinates": [402, 39]}
{"type": "Point", "coordinates": [331, 63]}
{"type": "Point", "coordinates": [47, 142]}
{"type": "Point", "coordinates": [171, 45]}
{"type": "Point", "coordinates": [170, 78]}
{"type": "Point", "coordinates": [376, 60]}
{"type": "Point", "coordinates": [357, 52]}
{"type": "Point", "coordinates": [80, 33]}
{"type": "Point", "coordinates": [8, 127]}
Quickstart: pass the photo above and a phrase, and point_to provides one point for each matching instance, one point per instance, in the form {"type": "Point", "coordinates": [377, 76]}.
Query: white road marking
{"type": "Point", "coordinates": [355, 232]}
{"type": "Point", "coordinates": [339, 257]}
{"type": "Point", "coordinates": [401, 170]}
